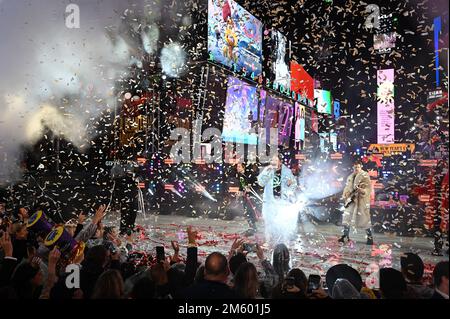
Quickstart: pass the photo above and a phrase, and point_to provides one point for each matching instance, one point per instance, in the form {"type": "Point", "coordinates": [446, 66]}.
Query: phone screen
{"type": "Point", "coordinates": [160, 255]}
{"type": "Point", "coordinates": [313, 282]}
{"type": "Point", "coordinates": [249, 247]}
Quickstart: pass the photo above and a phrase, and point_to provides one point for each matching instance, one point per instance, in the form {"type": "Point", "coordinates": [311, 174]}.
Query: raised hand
{"type": "Point", "coordinates": [36, 262]}
{"type": "Point", "coordinates": [54, 256]}
{"type": "Point", "coordinates": [259, 252]}
{"type": "Point", "coordinates": [81, 218]}
{"type": "Point", "coordinates": [192, 235]}
{"type": "Point", "coordinates": [175, 246]}
{"type": "Point", "coordinates": [6, 244]}
{"type": "Point", "coordinates": [99, 214]}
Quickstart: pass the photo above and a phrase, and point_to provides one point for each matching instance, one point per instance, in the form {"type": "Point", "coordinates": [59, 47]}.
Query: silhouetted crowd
{"type": "Point", "coordinates": [109, 267]}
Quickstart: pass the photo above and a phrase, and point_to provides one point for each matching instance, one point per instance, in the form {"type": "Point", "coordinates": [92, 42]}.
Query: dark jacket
{"type": "Point", "coordinates": [437, 295]}
{"type": "Point", "coordinates": [20, 249]}
{"type": "Point", "coordinates": [7, 267]}
{"type": "Point", "coordinates": [88, 277]}
{"type": "Point", "coordinates": [209, 290]}
{"type": "Point", "coordinates": [191, 266]}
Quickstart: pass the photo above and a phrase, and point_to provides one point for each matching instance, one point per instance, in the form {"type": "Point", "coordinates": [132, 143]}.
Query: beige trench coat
{"type": "Point", "coordinates": [358, 213]}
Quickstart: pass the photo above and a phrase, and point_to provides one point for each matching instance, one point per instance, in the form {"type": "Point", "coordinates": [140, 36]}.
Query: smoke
{"type": "Point", "coordinates": [321, 178]}
{"type": "Point", "coordinates": [52, 76]}
{"type": "Point", "coordinates": [62, 79]}
{"type": "Point", "coordinates": [173, 59]}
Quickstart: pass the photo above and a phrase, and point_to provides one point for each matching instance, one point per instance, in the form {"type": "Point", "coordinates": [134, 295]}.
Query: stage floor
{"type": "Point", "coordinates": [314, 253]}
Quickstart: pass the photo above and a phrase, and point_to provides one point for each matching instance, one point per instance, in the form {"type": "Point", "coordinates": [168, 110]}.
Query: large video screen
{"type": "Point", "coordinates": [384, 41]}
{"type": "Point", "coordinates": [323, 100]}
{"type": "Point", "coordinates": [300, 126]}
{"type": "Point", "coordinates": [280, 59]}
{"type": "Point", "coordinates": [301, 82]}
{"type": "Point", "coordinates": [241, 113]}
{"type": "Point", "coordinates": [234, 37]}
{"type": "Point", "coordinates": [278, 114]}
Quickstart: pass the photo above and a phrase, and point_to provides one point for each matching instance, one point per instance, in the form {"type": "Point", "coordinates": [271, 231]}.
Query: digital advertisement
{"type": "Point", "coordinates": [234, 37]}
{"type": "Point", "coordinates": [241, 113]}
{"type": "Point", "coordinates": [323, 101]}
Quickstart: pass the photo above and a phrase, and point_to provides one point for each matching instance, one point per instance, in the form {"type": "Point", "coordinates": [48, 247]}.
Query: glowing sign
{"type": "Point", "coordinates": [385, 106]}
{"type": "Point", "coordinates": [390, 149]}
{"type": "Point", "coordinates": [301, 82]}
{"type": "Point", "coordinates": [300, 121]}
{"type": "Point", "coordinates": [437, 30]}
{"type": "Point", "coordinates": [384, 42]}
{"type": "Point", "coordinates": [323, 101]}
{"type": "Point", "coordinates": [337, 109]}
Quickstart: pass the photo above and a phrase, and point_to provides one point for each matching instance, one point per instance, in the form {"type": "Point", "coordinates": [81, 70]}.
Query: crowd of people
{"type": "Point", "coordinates": [110, 268]}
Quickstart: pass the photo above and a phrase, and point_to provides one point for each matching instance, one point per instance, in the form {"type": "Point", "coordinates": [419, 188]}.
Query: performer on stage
{"type": "Point", "coordinates": [125, 194]}
{"type": "Point", "coordinates": [280, 212]}
{"type": "Point", "coordinates": [357, 196]}
{"type": "Point", "coordinates": [247, 178]}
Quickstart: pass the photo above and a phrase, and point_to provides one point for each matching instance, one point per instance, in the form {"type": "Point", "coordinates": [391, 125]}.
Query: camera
{"type": "Point", "coordinates": [249, 247]}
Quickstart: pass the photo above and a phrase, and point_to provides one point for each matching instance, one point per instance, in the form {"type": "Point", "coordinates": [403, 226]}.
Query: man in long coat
{"type": "Point", "coordinates": [357, 214]}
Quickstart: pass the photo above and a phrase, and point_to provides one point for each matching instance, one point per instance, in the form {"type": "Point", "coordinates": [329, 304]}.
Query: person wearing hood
{"type": "Point", "coordinates": [343, 289]}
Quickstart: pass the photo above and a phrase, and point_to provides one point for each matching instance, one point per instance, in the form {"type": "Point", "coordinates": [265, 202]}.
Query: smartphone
{"type": "Point", "coordinates": [313, 283]}
{"type": "Point", "coordinates": [249, 247]}
{"type": "Point", "coordinates": [160, 255]}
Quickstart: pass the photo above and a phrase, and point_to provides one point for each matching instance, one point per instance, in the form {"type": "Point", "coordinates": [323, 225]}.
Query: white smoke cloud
{"type": "Point", "coordinates": [53, 76]}
{"type": "Point", "coordinates": [63, 79]}
{"type": "Point", "coordinates": [173, 59]}
{"type": "Point", "coordinates": [319, 178]}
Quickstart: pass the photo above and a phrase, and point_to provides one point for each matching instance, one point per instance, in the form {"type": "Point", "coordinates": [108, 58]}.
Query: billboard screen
{"type": "Point", "coordinates": [300, 123]}
{"type": "Point", "coordinates": [241, 113]}
{"type": "Point", "coordinates": [337, 109]}
{"type": "Point", "coordinates": [323, 101]}
{"type": "Point", "coordinates": [277, 114]}
{"type": "Point", "coordinates": [385, 106]}
{"type": "Point", "coordinates": [301, 82]}
{"type": "Point", "coordinates": [234, 37]}
{"type": "Point", "coordinates": [279, 59]}
{"type": "Point", "coordinates": [384, 42]}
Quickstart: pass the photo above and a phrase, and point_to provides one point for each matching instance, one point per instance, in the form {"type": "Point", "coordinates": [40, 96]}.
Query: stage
{"type": "Point", "coordinates": [314, 253]}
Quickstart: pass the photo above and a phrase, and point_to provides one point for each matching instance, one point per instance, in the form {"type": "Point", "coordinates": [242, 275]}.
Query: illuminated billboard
{"type": "Point", "coordinates": [301, 82]}
{"type": "Point", "coordinates": [241, 113]}
{"type": "Point", "coordinates": [277, 114]}
{"type": "Point", "coordinates": [384, 42]}
{"type": "Point", "coordinates": [385, 106]}
{"type": "Point", "coordinates": [300, 123]}
{"type": "Point", "coordinates": [322, 100]}
{"type": "Point", "coordinates": [234, 37]}
{"type": "Point", "coordinates": [337, 109]}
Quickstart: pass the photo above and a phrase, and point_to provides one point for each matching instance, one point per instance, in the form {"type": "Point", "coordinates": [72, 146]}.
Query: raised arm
{"type": "Point", "coordinates": [264, 176]}
{"type": "Point", "coordinates": [192, 257]}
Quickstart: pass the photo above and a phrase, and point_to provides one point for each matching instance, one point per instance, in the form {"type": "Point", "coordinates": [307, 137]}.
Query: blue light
{"type": "Point", "coordinates": [437, 30]}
